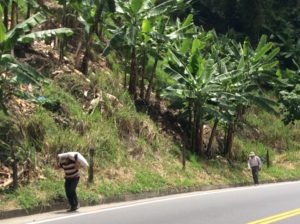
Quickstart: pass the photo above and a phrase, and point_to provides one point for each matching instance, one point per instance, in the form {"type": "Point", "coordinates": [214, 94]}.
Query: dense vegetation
{"type": "Point", "coordinates": [151, 86]}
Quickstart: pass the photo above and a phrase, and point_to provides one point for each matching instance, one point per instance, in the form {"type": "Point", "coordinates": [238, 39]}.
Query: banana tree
{"type": "Point", "coordinates": [196, 82]}
{"type": "Point", "coordinates": [131, 15]}
{"type": "Point", "coordinates": [91, 15]}
{"type": "Point", "coordinates": [162, 36]}
{"type": "Point", "coordinates": [19, 72]}
{"type": "Point", "coordinates": [252, 68]}
{"type": "Point", "coordinates": [290, 95]}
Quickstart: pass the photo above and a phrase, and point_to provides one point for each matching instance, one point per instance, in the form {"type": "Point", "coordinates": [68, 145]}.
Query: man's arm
{"type": "Point", "coordinates": [259, 162]}
{"type": "Point", "coordinates": [77, 163]}
{"type": "Point", "coordinates": [57, 166]}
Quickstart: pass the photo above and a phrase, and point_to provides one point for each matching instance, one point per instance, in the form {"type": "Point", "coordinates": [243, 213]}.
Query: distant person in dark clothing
{"type": "Point", "coordinates": [71, 169]}
{"type": "Point", "coordinates": [254, 163]}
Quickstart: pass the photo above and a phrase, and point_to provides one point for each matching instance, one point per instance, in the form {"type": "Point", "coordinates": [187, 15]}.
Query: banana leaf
{"type": "Point", "coordinates": [45, 34]}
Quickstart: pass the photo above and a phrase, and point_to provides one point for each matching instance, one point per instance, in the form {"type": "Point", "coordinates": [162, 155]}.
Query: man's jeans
{"type": "Point", "coordinates": [70, 188]}
{"type": "Point", "coordinates": [255, 170]}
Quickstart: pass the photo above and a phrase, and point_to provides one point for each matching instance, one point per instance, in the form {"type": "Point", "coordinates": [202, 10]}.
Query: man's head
{"type": "Point", "coordinates": [252, 154]}
{"type": "Point", "coordinates": [65, 160]}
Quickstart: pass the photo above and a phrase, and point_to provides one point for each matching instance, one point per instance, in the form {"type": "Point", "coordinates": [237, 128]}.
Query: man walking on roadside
{"type": "Point", "coordinates": [254, 163]}
{"type": "Point", "coordinates": [71, 168]}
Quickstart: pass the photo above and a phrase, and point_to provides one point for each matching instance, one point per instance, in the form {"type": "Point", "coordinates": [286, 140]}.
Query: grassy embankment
{"type": "Point", "coordinates": [133, 155]}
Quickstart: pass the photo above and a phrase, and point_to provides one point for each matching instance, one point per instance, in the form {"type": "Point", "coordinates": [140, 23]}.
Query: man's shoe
{"type": "Point", "coordinates": [72, 209]}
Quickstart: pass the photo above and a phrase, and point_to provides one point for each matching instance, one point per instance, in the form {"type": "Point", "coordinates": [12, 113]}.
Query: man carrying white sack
{"type": "Point", "coordinates": [71, 164]}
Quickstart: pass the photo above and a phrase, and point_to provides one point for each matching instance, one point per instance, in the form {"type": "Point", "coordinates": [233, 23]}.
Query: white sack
{"type": "Point", "coordinates": [71, 155]}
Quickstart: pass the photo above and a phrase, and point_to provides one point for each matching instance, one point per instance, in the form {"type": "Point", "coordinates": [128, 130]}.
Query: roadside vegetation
{"type": "Point", "coordinates": [162, 101]}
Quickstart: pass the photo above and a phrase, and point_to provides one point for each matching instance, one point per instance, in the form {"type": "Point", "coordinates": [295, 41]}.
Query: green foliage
{"type": "Point", "coordinates": [54, 189]}
{"type": "Point", "coordinates": [2, 27]}
{"type": "Point", "coordinates": [6, 124]}
{"type": "Point", "coordinates": [145, 180]}
{"type": "Point", "coordinates": [206, 75]}
{"type": "Point", "coordinates": [27, 198]}
{"type": "Point", "coordinates": [89, 197]}
{"type": "Point", "coordinates": [44, 35]}
{"type": "Point", "coordinates": [53, 93]}
{"type": "Point", "coordinates": [194, 160]}
{"type": "Point", "coordinates": [277, 136]}
{"type": "Point", "coordinates": [246, 146]}
{"type": "Point", "coordinates": [12, 36]}
{"type": "Point", "coordinates": [289, 95]}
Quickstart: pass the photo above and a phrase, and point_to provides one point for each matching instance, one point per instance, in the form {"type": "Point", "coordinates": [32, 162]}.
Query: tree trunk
{"type": "Point", "coordinates": [94, 28]}
{"type": "Point", "coordinates": [5, 12]}
{"type": "Point", "coordinates": [125, 81]}
{"type": "Point", "coordinates": [14, 14]}
{"type": "Point", "coordinates": [200, 138]}
{"type": "Point", "coordinates": [157, 100]}
{"type": "Point", "coordinates": [78, 53]}
{"type": "Point", "coordinates": [86, 58]}
{"type": "Point", "coordinates": [28, 10]}
{"type": "Point", "coordinates": [14, 166]}
{"type": "Point", "coordinates": [198, 134]}
{"type": "Point", "coordinates": [183, 150]}
{"type": "Point", "coordinates": [229, 141]}
{"type": "Point", "coordinates": [132, 79]}
{"type": "Point", "coordinates": [268, 159]}
{"type": "Point", "coordinates": [2, 100]}
{"type": "Point", "coordinates": [194, 132]}
{"type": "Point", "coordinates": [150, 85]}
{"type": "Point", "coordinates": [91, 166]}
{"type": "Point", "coordinates": [62, 41]}
{"type": "Point", "coordinates": [211, 139]}
{"type": "Point", "coordinates": [190, 125]}
{"type": "Point", "coordinates": [98, 16]}
{"type": "Point", "coordinates": [142, 84]}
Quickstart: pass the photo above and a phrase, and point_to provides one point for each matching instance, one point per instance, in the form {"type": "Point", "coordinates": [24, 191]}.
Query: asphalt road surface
{"type": "Point", "coordinates": [268, 203]}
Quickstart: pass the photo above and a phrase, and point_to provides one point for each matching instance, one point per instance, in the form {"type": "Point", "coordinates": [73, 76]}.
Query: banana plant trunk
{"type": "Point", "coordinates": [198, 131]}
{"type": "Point", "coordinates": [5, 13]}
{"type": "Point", "coordinates": [150, 86]}
{"type": "Point", "coordinates": [190, 124]}
{"type": "Point", "coordinates": [132, 79]}
{"type": "Point", "coordinates": [28, 10]}
{"type": "Point", "coordinates": [211, 138]}
{"type": "Point", "coordinates": [94, 29]}
{"type": "Point", "coordinates": [62, 41]}
{"type": "Point", "coordinates": [14, 14]}
{"type": "Point", "coordinates": [229, 140]}
{"type": "Point", "coordinates": [142, 83]}
{"type": "Point", "coordinates": [199, 139]}
{"type": "Point", "coordinates": [193, 128]}
{"type": "Point", "coordinates": [85, 60]}
{"type": "Point", "coordinates": [14, 166]}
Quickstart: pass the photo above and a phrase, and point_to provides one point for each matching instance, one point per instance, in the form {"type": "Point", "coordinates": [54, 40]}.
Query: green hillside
{"type": "Point", "coordinates": [170, 96]}
{"type": "Point", "coordinates": [133, 153]}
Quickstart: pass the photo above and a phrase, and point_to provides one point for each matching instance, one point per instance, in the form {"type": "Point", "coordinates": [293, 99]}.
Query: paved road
{"type": "Point", "coordinates": [270, 203]}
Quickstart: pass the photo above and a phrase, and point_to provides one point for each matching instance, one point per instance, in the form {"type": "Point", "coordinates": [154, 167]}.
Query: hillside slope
{"type": "Point", "coordinates": [132, 152]}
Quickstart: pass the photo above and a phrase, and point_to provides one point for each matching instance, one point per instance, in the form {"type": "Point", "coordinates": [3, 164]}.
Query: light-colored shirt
{"type": "Point", "coordinates": [254, 161]}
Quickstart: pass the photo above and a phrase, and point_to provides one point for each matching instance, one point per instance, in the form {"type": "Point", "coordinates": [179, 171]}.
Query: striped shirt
{"type": "Point", "coordinates": [71, 169]}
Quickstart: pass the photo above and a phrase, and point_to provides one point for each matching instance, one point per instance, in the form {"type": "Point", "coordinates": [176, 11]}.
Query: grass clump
{"type": "Point", "coordinates": [27, 198]}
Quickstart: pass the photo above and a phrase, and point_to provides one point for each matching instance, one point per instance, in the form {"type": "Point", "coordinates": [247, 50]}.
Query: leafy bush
{"type": "Point", "coordinates": [27, 198]}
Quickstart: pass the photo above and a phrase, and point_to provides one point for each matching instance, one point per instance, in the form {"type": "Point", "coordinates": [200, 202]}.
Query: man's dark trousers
{"type": "Point", "coordinates": [255, 170]}
{"type": "Point", "coordinates": [70, 188]}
